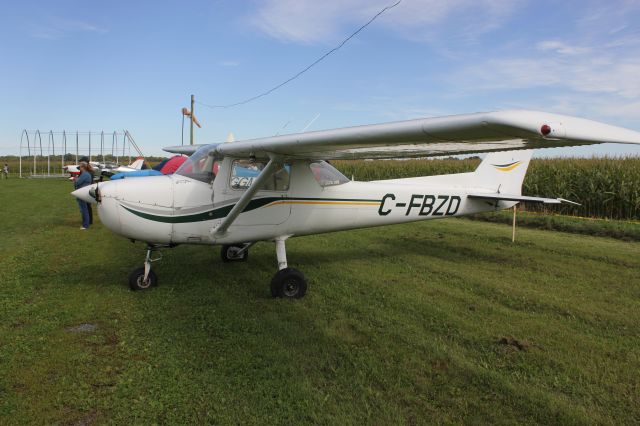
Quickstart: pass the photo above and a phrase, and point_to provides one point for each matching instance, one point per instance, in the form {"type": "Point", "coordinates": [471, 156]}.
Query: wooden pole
{"type": "Point", "coordinates": [191, 122]}
{"type": "Point", "coordinates": [513, 235]}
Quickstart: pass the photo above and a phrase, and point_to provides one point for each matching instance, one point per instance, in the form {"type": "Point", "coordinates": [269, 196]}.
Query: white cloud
{"type": "Point", "coordinates": [589, 74]}
{"type": "Point", "coordinates": [56, 28]}
{"type": "Point", "coordinates": [309, 21]}
{"type": "Point", "coordinates": [589, 68]}
{"type": "Point", "coordinates": [593, 71]}
{"type": "Point", "coordinates": [561, 48]}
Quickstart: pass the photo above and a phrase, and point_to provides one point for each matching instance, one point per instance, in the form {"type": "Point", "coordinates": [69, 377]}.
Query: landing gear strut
{"type": "Point", "coordinates": [235, 253]}
{"type": "Point", "coordinates": [144, 278]}
{"type": "Point", "coordinates": [287, 282]}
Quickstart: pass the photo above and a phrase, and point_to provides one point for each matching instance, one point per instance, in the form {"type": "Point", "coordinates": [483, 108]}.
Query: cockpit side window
{"type": "Point", "coordinates": [202, 165]}
{"type": "Point", "coordinates": [244, 172]}
{"type": "Point", "coordinates": [327, 175]}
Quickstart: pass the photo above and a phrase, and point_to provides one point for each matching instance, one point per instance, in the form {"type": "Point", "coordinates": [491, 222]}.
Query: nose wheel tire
{"type": "Point", "coordinates": [289, 283]}
{"type": "Point", "coordinates": [234, 253]}
{"type": "Point", "coordinates": [137, 281]}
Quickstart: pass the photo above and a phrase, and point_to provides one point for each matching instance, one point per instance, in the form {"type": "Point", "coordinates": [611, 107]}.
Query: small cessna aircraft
{"type": "Point", "coordinates": [270, 189]}
{"type": "Point", "coordinates": [106, 169]}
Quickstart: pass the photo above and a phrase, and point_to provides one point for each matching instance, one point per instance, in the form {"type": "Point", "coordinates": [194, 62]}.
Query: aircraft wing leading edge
{"type": "Point", "coordinates": [428, 137]}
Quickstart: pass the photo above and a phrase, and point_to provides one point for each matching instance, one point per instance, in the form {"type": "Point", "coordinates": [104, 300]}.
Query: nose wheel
{"type": "Point", "coordinates": [288, 283]}
{"type": "Point", "coordinates": [137, 280]}
{"type": "Point", "coordinates": [144, 278]}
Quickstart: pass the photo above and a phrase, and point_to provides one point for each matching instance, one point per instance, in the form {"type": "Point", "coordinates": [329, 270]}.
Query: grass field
{"type": "Point", "coordinates": [434, 322]}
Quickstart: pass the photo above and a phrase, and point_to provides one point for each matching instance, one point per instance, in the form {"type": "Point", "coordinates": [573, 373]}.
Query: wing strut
{"type": "Point", "coordinates": [266, 173]}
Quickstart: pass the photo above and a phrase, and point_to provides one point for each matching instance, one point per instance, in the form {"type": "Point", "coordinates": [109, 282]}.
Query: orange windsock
{"type": "Point", "coordinates": [187, 113]}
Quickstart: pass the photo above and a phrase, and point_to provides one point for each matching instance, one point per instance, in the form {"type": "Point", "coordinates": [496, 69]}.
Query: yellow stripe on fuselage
{"type": "Point", "coordinates": [341, 203]}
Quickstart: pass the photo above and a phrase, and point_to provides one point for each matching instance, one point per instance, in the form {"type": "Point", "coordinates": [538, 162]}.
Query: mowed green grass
{"type": "Point", "coordinates": [401, 325]}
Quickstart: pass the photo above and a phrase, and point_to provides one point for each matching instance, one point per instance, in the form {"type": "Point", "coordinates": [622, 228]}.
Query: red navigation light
{"type": "Point", "coordinates": [545, 130]}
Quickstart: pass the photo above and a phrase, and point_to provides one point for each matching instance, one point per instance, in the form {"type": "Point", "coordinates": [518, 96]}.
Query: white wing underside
{"type": "Point", "coordinates": [431, 137]}
{"type": "Point", "coordinates": [519, 198]}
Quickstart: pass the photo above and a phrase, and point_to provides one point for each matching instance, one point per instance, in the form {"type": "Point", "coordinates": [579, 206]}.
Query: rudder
{"type": "Point", "coordinates": [503, 171]}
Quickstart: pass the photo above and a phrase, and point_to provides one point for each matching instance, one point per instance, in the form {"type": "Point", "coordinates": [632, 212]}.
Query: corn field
{"type": "Point", "coordinates": [605, 187]}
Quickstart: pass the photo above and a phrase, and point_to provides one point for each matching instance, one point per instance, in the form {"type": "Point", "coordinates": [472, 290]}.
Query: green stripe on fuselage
{"type": "Point", "coordinates": [221, 212]}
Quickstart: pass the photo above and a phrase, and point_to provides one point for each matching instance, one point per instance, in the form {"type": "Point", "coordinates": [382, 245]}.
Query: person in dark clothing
{"type": "Point", "coordinates": [81, 181]}
{"type": "Point", "coordinates": [85, 160]}
{"type": "Point", "coordinates": [92, 173]}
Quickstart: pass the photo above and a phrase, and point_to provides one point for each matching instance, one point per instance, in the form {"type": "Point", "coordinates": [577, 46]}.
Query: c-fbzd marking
{"type": "Point", "coordinates": [423, 204]}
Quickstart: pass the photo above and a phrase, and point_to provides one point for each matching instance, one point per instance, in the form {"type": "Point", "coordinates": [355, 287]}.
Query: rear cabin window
{"type": "Point", "coordinates": [244, 172]}
{"type": "Point", "coordinates": [327, 175]}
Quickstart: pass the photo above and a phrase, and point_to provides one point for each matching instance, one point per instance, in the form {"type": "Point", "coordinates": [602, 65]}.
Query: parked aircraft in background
{"type": "Point", "coordinates": [107, 168]}
{"type": "Point", "coordinates": [137, 164]}
{"type": "Point", "coordinates": [74, 169]}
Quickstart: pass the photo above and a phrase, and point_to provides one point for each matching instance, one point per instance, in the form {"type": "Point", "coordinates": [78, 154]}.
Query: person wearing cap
{"type": "Point", "coordinates": [81, 181]}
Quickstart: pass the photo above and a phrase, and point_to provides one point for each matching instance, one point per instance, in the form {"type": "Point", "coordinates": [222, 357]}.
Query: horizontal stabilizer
{"type": "Point", "coordinates": [508, 197]}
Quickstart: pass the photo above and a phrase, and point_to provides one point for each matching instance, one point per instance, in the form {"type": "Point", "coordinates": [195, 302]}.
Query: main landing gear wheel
{"type": "Point", "coordinates": [137, 281]}
{"type": "Point", "coordinates": [289, 283]}
{"type": "Point", "coordinates": [234, 253]}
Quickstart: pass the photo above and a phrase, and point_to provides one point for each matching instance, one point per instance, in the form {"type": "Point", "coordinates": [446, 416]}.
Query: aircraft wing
{"type": "Point", "coordinates": [183, 149]}
{"type": "Point", "coordinates": [429, 137]}
{"type": "Point", "coordinates": [509, 197]}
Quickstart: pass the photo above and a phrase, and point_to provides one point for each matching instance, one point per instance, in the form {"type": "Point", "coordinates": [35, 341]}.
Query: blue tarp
{"type": "Point", "coordinates": [138, 173]}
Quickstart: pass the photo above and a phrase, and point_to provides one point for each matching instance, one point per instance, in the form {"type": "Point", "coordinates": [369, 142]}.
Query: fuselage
{"type": "Point", "coordinates": [180, 209]}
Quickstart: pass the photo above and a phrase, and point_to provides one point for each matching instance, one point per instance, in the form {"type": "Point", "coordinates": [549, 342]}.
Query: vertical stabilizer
{"type": "Point", "coordinates": [503, 171]}
{"type": "Point", "coordinates": [137, 164]}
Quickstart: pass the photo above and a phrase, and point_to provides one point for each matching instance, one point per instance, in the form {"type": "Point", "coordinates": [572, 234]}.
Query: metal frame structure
{"type": "Point", "coordinates": [31, 145]}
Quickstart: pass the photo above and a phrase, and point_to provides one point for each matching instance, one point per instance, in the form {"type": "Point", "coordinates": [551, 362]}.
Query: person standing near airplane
{"type": "Point", "coordinates": [84, 179]}
{"type": "Point", "coordinates": [85, 160]}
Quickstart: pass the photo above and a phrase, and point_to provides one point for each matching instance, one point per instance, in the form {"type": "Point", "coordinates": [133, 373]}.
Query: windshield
{"type": "Point", "coordinates": [201, 166]}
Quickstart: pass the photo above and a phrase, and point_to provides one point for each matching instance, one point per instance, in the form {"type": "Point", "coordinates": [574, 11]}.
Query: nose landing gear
{"type": "Point", "coordinates": [143, 278]}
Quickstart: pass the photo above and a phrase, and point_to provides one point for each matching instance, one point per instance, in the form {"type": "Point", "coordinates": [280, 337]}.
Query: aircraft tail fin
{"type": "Point", "coordinates": [137, 164]}
{"type": "Point", "coordinates": [503, 171]}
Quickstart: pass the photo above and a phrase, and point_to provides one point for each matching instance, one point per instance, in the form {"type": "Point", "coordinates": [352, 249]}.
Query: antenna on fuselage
{"type": "Point", "coordinates": [283, 127]}
{"type": "Point", "coordinates": [310, 123]}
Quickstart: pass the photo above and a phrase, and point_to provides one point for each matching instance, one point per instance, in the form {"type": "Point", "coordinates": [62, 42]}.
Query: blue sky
{"type": "Point", "coordinates": [91, 65]}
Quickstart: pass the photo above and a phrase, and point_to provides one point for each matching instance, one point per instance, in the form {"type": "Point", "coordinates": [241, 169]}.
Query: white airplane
{"type": "Point", "coordinates": [106, 169]}
{"type": "Point", "coordinates": [275, 188]}
{"type": "Point", "coordinates": [135, 166]}
{"type": "Point", "coordinates": [74, 169]}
